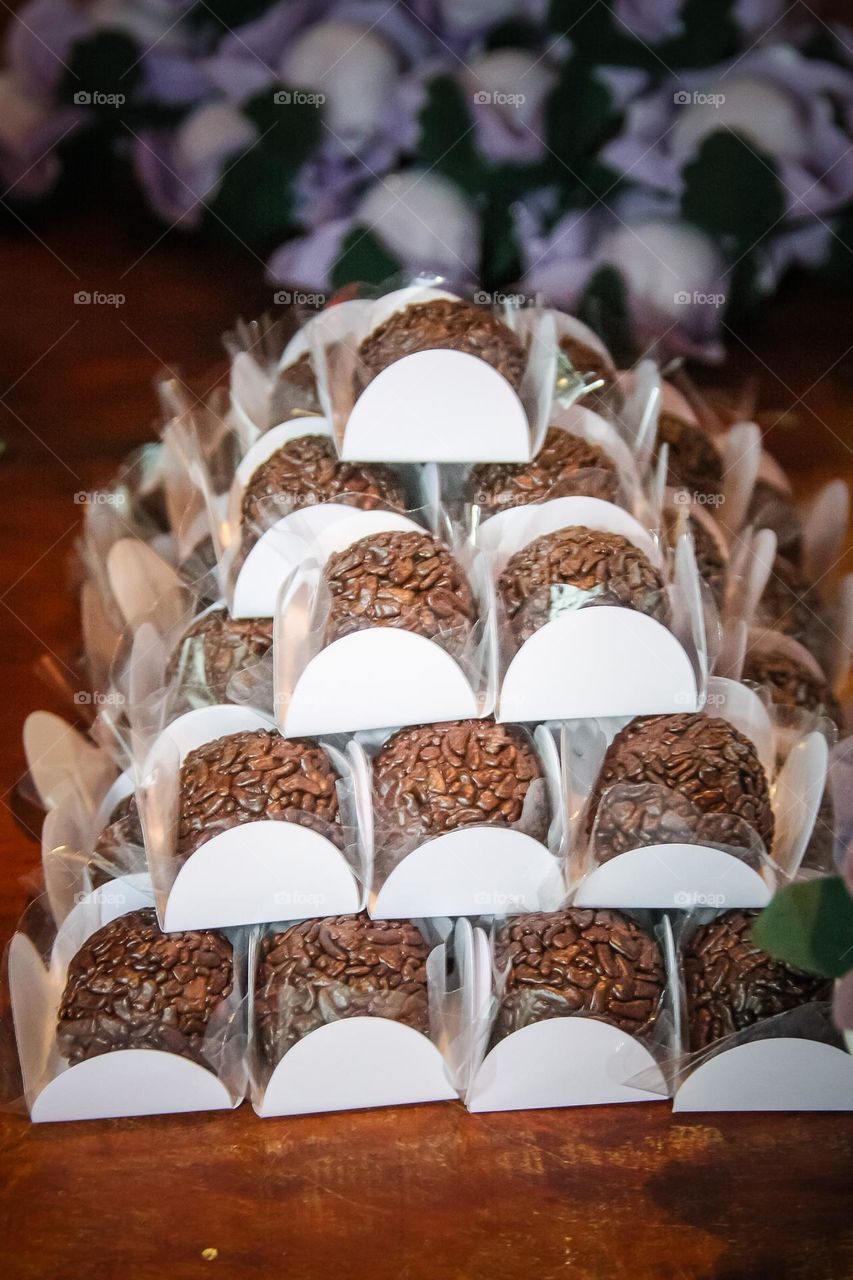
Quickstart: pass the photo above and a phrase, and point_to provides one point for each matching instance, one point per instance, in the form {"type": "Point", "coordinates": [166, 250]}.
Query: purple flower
{"type": "Point", "coordinates": [424, 222]}
{"type": "Point", "coordinates": [842, 1008]}
{"type": "Point", "coordinates": [647, 22]}
{"type": "Point", "coordinates": [39, 42]}
{"type": "Point", "coordinates": [181, 170]}
{"type": "Point", "coordinates": [779, 102]}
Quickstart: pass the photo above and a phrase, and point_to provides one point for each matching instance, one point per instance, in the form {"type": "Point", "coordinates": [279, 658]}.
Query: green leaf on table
{"type": "Point", "coordinates": [725, 167]}
{"type": "Point", "coordinates": [364, 258]}
{"type": "Point", "coordinates": [446, 143]}
{"type": "Point", "coordinates": [810, 926]}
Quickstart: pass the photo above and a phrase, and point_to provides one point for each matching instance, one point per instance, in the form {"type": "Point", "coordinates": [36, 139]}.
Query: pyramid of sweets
{"type": "Point", "coordinates": [458, 700]}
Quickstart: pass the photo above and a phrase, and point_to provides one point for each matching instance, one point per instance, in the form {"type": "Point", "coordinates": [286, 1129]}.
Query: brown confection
{"type": "Point", "coordinates": [769, 508]}
{"type": "Point", "coordinates": [680, 777]}
{"type": "Point", "coordinates": [131, 986]}
{"type": "Point", "coordinates": [255, 776]}
{"type": "Point", "coordinates": [427, 326]}
{"type": "Point", "coordinates": [731, 984]}
{"type": "Point", "coordinates": [341, 967]}
{"type": "Point", "coordinates": [306, 471]}
{"type": "Point", "coordinates": [403, 579]}
{"type": "Point", "coordinates": [295, 391]}
{"type": "Point", "coordinates": [694, 460]}
{"type": "Point", "coordinates": [791, 605]}
{"type": "Point", "coordinates": [437, 777]}
{"type": "Point", "coordinates": [598, 963]}
{"type": "Point", "coordinates": [791, 683]}
{"type": "Point", "coordinates": [214, 649]}
{"type": "Point", "coordinates": [710, 559]}
{"type": "Point", "coordinates": [586, 359]}
{"type": "Point", "coordinates": [565, 465]}
{"type": "Point", "coordinates": [560, 572]}
{"type": "Point", "coordinates": [119, 842]}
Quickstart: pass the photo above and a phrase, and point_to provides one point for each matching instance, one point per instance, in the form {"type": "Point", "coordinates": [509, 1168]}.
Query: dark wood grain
{"type": "Point", "coordinates": [421, 1192]}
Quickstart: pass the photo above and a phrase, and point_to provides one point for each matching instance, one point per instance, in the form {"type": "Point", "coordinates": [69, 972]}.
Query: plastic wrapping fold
{"type": "Point", "coordinates": [206, 1073]}
{"type": "Point", "coordinates": [648, 846]}
{"type": "Point", "coordinates": [401, 1044]}
{"type": "Point", "coordinates": [404, 677]}
{"type": "Point", "coordinates": [556, 1056]}
{"type": "Point", "coordinates": [472, 868]}
{"type": "Point", "coordinates": [429, 405]}
{"type": "Point", "coordinates": [643, 657]}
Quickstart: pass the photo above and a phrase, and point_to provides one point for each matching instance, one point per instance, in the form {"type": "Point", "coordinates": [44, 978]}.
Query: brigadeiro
{"type": "Point", "coordinates": [405, 579]}
{"type": "Point", "coordinates": [131, 986]}
{"type": "Point", "coordinates": [731, 984]}
{"type": "Point", "coordinates": [569, 962]}
{"type": "Point", "coordinates": [214, 649]}
{"type": "Point", "coordinates": [119, 846]}
{"type": "Point", "coordinates": [707, 550]}
{"type": "Point", "coordinates": [587, 359]}
{"type": "Point", "coordinates": [694, 462]}
{"type": "Point", "coordinates": [444, 323]}
{"type": "Point", "coordinates": [679, 778]}
{"type": "Point", "coordinates": [320, 971]}
{"type": "Point", "coordinates": [790, 604]}
{"type": "Point", "coordinates": [255, 776]}
{"type": "Point", "coordinates": [566, 464]}
{"type": "Point", "coordinates": [791, 681]}
{"type": "Point", "coordinates": [771, 508]}
{"type": "Point", "coordinates": [563, 571]}
{"type": "Point", "coordinates": [306, 471]}
{"type": "Point", "coordinates": [295, 391]}
{"type": "Point", "coordinates": [438, 777]}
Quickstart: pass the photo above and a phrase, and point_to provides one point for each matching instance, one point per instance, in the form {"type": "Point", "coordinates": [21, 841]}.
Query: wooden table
{"type": "Point", "coordinates": [424, 1192]}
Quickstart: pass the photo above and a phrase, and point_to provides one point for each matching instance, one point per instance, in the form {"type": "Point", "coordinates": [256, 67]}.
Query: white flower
{"type": "Point", "coordinates": [425, 221]}
{"type": "Point", "coordinates": [663, 262]}
{"type": "Point", "coordinates": [353, 67]}
{"type": "Point", "coordinates": [208, 136]}
{"type": "Point", "coordinates": [756, 108]}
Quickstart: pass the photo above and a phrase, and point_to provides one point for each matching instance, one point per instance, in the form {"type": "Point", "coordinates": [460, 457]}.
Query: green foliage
{"type": "Point", "coordinates": [732, 191]}
{"type": "Point", "coordinates": [810, 926]}
{"type": "Point", "coordinates": [708, 35]}
{"type": "Point", "coordinates": [363, 257]}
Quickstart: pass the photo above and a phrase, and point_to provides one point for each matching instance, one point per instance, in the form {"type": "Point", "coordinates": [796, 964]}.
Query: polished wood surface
{"type": "Point", "coordinates": [421, 1192]}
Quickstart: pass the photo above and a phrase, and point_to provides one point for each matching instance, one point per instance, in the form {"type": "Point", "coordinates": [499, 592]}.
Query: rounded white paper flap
{"type": "Point", "coordinates": [130, 1082]}
{"type": "Point", "coordinates": [780, 1074]}
{"type": "Point", "coordinates": [683, 876]}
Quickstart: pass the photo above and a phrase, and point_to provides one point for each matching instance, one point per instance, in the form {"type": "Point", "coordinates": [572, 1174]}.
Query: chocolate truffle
{"type": "Point", "coordinates": [402, 579]}
{"type": "Point", "coordinates": [214, 649]}
{"type": "Point", "coordinates": [428, 326]}
{"type": "Point", "coordinates": [306, 471]}
{"type": "Point", "coordinates": [680, 778]}
{"type": "Point", "coordinates": [255, 776]}
{"type": "Point", "coordinates": [131, 986]}
{"type": "Point", "coordinates": [563, 571]}
{"type": "Point", "coordinates": [791, 605]}
{"type": "Point", "coordinates": [710, 559]}
{"type": "Point", "coordinates": [560, 963]}
{"type": "Point", "coordinates": [119, 843]}
{"type": "Point", "coordinates": [731, 984]}
{"type": "Point", "coordinates": [341, 967]}
{"type": "Point", "coordinates": [586, 359]}
{"type": "Point", "coordinates": [437, 777]}
{"type": "Point", "coordinates": [791, 683]}
{"type": "Point", "coordinates": [295, 391]}
{"type": "Point", "coordinates": [566, 464]}
{"type": "Point", "coordinates": [694, 460]}
{"type": "Point", "coordinates": [770, 508]}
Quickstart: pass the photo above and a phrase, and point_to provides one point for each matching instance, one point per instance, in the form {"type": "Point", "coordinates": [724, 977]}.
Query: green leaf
{"type": "Point", "coordinates": [446, 143]}
{"type": "Point", "coordinates": [604, 307]}
{"type": "Point", "coordinates": [104, 68]}
{"type": "Point", "coordinates": [708, 35]}
{"type": "Point", "coordinates": [810, 926]}
{"type": "Point", "coordinates": [364, 258]}
{"type": "Point", "coordinates": [715, 184]}
{"type": "Point", "coordinates": [579, 114]}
